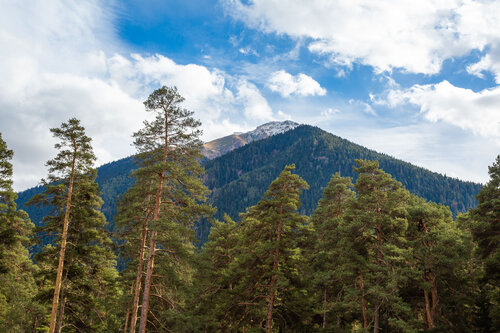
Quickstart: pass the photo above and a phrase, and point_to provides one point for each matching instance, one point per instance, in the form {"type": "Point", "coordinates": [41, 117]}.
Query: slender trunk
{"type": "Point", "coordinates": [61, 313]}
{"type": "Point", "coordinates": [274, 279]}
{"type": "Point", "coordinates": [62, 252]}
{"type": "Point", "coordinates": [325, 303]}
{"type": "Point", "coordinates": [147, 284]}
{"type": "Point", "coordinates": [376, 321]}
{"type": "Point", "coordinates": [364, 303]}
{"type": "Point", "coordinates": [159, 191]}
{"type": "Point", "coordinates": [138, 279]}
{"type": "Point", "coordinates": [428, 316]}
{"type": "Point", "coordinates": [434, 293]}
{"type": "Point", "coordinates": [376, 318]}
{"type": "Point", "coordinates": [127, 317]}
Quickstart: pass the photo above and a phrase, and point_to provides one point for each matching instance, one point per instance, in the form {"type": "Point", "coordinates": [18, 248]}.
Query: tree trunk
{"type": "Point", "coordinates": [428, 315]}
{"type": "Point", "coordinates": [61, 313]}
{"type": "Point", "coordinates": [149, 272]}
{"type": "Point", "coordinates": [62, 252]}
{"type": "Point", "coordinates": [138, 279]}
{"type": "Point", "coordinates": [147, 284]}
{"type": "Point", "coordinates": [434, 294]}
{"type": "Point", "coordinates": [127, 317]}
{"type": "Point", "coordinates": [325, 303]}
{"type": "Point", "coordinates": [274, 280]}
{"type": "Point", "coordinates": [364, 304]}
{"type": "Point", "coordinates": [376, 318]}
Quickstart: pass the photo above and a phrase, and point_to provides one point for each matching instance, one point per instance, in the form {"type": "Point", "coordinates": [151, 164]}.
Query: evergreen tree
{"type": "Point", "coordinates": [134, 212]}
{"type": "Point", "coordinates": [215, 299]}
{"type": "Point", "coordinates": [441, 285]}
{"type": "Point", "coordinates": [372, 235]}
{"type": "Point", "coordinates": [18, 311]}
{"type": "Point", "coordinates": [270, 262]}
{"type": "Point", "coordinates": [487, 235]}
{"type": "Point", "coordinates": [326, 281]}
{"type": "Point", "coordinates": [84, 272]}
{"type": "Point", "coordinates": [89, 286]}
{"type": "Point", "coordinates": [169, 154]}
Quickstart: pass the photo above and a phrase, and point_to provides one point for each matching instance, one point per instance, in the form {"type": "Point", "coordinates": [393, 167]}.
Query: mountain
{"type": "Point", "coordinates": [239, 178]}
{"type": "Point", "coordinates": [221, 146]}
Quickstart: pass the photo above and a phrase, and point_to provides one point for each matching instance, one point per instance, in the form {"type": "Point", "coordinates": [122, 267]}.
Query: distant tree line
{"type": "Point", "coordinates": [372, 257]}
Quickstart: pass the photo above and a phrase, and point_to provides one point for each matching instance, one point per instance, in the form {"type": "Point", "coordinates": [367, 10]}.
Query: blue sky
{"type": "Point", "coordinates": [418, 80]}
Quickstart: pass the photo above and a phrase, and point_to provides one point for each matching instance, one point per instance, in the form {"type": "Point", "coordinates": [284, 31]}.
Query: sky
{"type": "Point", "coordinates": [417, 80]}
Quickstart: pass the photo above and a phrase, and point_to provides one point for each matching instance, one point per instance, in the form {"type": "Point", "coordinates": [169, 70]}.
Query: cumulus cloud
{"type": "Point", "coordinates": [301, 85]}
{"type": "Point", "coordinates": [488, 63]}
{"type": "Point", "coordinates": [478, 112]}
{"type": "Point", "coordinates": [61, 59]}
{"type": "Point", "coordinates": [255, 105]}
{"type": "Point", "coordinates": [416, 36]}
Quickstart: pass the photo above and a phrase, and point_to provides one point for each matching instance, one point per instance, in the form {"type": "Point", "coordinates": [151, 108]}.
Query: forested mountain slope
{"type": "Point", "coordinates": [239, 178]}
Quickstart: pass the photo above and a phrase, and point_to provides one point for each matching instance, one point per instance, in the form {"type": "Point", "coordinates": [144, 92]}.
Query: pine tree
{"type": "Point", "coordinates": [7, 204]}
{"type": "Point", "coordinates": [372, 236]}
{"type": "Point", "coordinates": [270, 261]}
{"type": "Point", "coordinates": [170, 173]}
{"type": "Point", "coordinates": [487, 235]}
{"type": "Point", "coordinates": [216, 276]}
{"type": "Point", "coordinates": [441, 286]}
{"type": "Point", "coordinates": [85, 274]}
{"type": "Point", "coordinates": [134, 212]}
{"type": "Point", "coordinates": [18, 311]}
{"type": "Point", "coordinates": [325, 278]}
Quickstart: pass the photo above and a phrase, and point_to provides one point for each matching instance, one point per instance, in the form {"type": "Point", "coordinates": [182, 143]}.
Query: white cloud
{"type": "Point", "coordinates": [284, 116]}
{"type": "Point", "coordinates": [61, 59]}
{"type": "Point", "coordinates": [478, 112]}
{"type": "Point", "coordinates": [363, 106]}
{"type": "Point", "coordinates": [416, 36]}
{"type": "Point", "coordinates": [286, 84]}
{"type": "Point", "coordinates": [255, 105]}
{"type": "Point", "coordinates": [329, 112]}
{"type": "Point", "coordinates": [488, 63]}
{"type": "Point", "coordinates": [440, 147]}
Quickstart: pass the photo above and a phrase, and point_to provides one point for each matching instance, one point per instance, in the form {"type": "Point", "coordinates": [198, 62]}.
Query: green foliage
{"type": "Point", "coordinates": [442, 276]}
{"type": "Point", "coordinates": [167, 198]}
{"type": "Point", "coordinates": [18, 310]}
{"type": "Point", "coordinates": [326, 251]}
{"type": "Point", "coordinates": [486, 231]}
{"type": "Point", "coordinates": [257, 265]}
{"type": "Point", "coordinates": [214, 299]}
{"type": "Point", "coordinates": [88, 283]}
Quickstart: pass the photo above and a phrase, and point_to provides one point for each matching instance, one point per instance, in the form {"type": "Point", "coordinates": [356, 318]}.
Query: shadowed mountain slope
{"type": "Point", "coordinates": [239, 178]}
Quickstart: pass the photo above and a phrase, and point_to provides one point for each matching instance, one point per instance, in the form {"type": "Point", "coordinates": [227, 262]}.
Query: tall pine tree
{"type": "Point", "coordinates": [169, 151]}
{"type": "Point", "coordinates": [84, 273]}
{"type": "Point", "coordinates": [271, 285]}
{"type": "Point", "coordinates": [326, 280]}
{"type": "Point", "coordinates": [372, 235]}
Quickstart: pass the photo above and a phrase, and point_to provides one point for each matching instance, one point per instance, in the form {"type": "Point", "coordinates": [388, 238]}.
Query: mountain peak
{"type": "Point", "coordinates": [221, 146]}
{"type": "Point", "coordinates": [271, 128]}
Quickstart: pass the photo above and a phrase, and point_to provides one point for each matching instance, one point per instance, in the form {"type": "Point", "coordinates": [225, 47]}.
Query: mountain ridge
{"type": "Point", "coordinates": [221, 146]}
{"type": "Point", "coordinates": [239, 178]}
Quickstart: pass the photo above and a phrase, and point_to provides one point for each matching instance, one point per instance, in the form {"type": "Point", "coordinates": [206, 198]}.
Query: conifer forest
{"type": "Point", "coordinates": [384, 247]}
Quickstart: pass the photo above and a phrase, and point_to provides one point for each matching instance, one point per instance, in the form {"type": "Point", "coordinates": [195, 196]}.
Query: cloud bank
{"type": "Point", "coordinates": [478, 112]}
{"type": "Point", "coordinates": [415, 36]}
